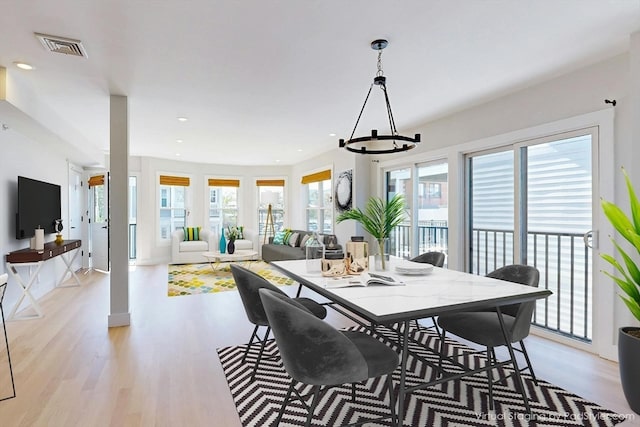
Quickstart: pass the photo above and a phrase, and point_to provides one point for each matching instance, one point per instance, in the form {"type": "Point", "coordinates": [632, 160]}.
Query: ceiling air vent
{"type": "Point", "coordinates": [62, 45]}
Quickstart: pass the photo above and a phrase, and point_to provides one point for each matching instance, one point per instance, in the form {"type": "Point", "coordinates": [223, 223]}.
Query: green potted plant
{"type": "Point", "coordinates": [629, 282]}
{"type": "Point", "coordinates": [379, 218]}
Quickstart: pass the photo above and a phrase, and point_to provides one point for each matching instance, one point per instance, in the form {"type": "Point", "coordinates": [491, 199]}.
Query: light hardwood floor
{"type": "Point", "coordinates": [163, 370]}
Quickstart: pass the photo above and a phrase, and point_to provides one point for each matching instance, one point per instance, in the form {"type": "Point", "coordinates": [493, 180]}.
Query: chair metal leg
{"type": "Point", "coordinates": [284, 403]}
{"type": "Point", "coordinates": [441, 355]}
{"type": "Point", "coordinates": [435, 327]}
{"type": "Point", "coordinates": [264, 342]}
{"type": "Point", "coordinates": [523, 349]}
{"type": "Point", "coordinates": [490, 360]}
{"type": "Point", "coordinates": [253, 336]}
{"type": "Point", "coordinates": [314, 403]}
{"type": "Point", "coordinates": [519, 384]}
{"type": "Point", "coordinates": [392, 400]}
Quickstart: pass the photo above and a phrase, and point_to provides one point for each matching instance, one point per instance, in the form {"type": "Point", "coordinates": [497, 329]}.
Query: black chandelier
{"type": "Point", "coordinates": [374, 143]}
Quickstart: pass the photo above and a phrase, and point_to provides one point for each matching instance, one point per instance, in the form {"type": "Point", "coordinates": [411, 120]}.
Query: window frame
{"type": "Point", "coordinates": [186, 202]}
{"type": "Point", "coordinates": [207, 201]}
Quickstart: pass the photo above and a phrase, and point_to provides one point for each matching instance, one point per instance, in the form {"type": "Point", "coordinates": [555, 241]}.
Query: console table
{"type": "Point", "coordinates": [31, 258]}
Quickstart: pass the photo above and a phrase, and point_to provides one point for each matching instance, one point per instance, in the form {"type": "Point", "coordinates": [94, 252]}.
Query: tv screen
{"type": "Point", "coordinates": [38, 206]}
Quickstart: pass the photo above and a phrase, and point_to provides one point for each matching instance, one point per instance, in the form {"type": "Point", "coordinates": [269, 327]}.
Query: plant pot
{"type": "Point", "coordinates": [231, 246]}
{"type": "Point", "coordinates": [629, 362]}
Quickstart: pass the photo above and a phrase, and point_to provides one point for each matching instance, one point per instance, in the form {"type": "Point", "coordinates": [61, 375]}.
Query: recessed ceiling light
{"type": "Point", "coordinates": [24, 65]}
{"type": "Point", "coordinates": [182, 119]}
{"type": "Point", "coordinates": [179, 141]}
{"type": "Point", "coordinates": [332, 134]}
{"type": "Point", "coordinates": [278, 161]}
{"type": "Point", "coordinates": [299, 150]}
{"type": "Point", "coordinates": [177, 154]}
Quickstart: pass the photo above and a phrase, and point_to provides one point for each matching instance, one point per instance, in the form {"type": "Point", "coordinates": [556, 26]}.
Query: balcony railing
{"type": "Point", "coordinates": [562, 259]}
{"type": "Point", "coordinates": [432, 236]}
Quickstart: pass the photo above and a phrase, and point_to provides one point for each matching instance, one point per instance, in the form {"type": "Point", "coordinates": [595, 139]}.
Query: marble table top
{"type": "Point", "coordinates": [440, 291]}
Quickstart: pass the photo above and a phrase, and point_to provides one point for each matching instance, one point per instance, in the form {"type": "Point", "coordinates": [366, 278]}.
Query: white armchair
{"type": "Point", "coordinates": [247, 242]}
{"type": "Point", "coordinates": [190, 252]}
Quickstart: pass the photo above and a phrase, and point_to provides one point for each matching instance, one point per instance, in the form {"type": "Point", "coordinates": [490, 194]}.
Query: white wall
{"type": "Point", "coordinates": [23, 156]}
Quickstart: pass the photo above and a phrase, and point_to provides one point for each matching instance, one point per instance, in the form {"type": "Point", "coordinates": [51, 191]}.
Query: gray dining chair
{"type": "Point", "coordinates": [434, 258]}
{"type": "Point", "coordinates": [483, 326]}
{"type": "Point", "coordinates": [315, 353]}
{"type": "Point", "coordinates": [248, 284]}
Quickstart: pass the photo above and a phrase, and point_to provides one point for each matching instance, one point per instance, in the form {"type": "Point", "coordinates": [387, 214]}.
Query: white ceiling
{"type": "Point", "coordinates": [266, 81]}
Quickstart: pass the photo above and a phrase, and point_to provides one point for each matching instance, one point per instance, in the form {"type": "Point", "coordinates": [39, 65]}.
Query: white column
{"type": "Point", "coordinates": [118, 210]}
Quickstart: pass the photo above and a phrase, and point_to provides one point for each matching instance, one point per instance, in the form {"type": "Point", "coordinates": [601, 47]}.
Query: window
{"type": "Point", "coordinates": [173, 204]}
{"type": "Point", "coordinates": [427, 208]}
{"type": "Point", "coordinates": [270, 192]}
{"type": "Point", "coordinates": [399, 182]}
{"type": "Point", "coordinates": [319, 202]}
{"type": "Point", "coordinates": [432, 207]}
{"type": "Point", "coordinates": [223, 203]}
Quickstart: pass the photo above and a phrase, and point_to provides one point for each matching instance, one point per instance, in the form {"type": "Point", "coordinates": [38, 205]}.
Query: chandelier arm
{"type": "Point", "coordinates": [361, 111]}
{"type": "Point", "coordinates": [392, 122]}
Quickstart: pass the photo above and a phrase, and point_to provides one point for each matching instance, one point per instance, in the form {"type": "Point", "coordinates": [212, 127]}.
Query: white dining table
{"type": "Point", "coordinates": [438, 292]}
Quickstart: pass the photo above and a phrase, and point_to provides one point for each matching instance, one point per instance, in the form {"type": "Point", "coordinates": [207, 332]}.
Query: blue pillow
{"type": "Point", "coordinates": [278, 239]}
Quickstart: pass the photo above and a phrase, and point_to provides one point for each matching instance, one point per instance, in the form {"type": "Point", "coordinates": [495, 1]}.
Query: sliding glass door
{"type": "Point", "coordinates": [532, 203]}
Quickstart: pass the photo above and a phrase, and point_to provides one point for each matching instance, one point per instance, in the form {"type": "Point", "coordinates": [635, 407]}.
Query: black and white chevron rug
{"type": "Point", "coordinates": [455, 403]}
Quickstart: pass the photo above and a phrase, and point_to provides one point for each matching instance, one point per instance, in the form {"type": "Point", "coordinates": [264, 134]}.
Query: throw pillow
{"type": "Point", "coordinates": [278, 239]}
{"type": "Point", "coordinates": [287, 236]}
{"type": "Point", "coordinates": [303, 242]}
{"type": "Point", "coordinates": [191, 233]}
{"type": "Point", "coordinates": [293, 239]}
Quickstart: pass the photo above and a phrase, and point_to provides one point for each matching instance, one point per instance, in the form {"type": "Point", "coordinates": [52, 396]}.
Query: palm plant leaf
{"type": "Point", "coordinates": [633, 201]}
{"type": "Point", "coordinates": [379, 217]}
{"type": "Point", "coordinates": [629, 283]}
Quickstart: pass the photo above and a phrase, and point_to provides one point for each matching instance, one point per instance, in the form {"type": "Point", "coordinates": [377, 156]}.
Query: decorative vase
{"type": "Point", "coordinates": [382, 257]}
{"type": "Point", "coordinates": [314, 252]}
{"type": "Point", "coordinates": [223, 242]}
{"type": "Point", "coordinates": [628, 357]}
{"type": "Point", "coordinates": [231, 246]}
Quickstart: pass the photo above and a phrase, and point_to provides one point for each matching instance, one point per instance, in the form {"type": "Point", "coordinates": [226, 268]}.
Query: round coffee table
{"type": "Point", "coordinates": [215, 258]}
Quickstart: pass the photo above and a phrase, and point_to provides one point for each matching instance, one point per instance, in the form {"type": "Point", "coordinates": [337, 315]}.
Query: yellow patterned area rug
{"type": "Point", "coordinates": [191, 279]}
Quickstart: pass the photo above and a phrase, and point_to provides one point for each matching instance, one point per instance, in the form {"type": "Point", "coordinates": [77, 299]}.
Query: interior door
{"type": "Point", "coordinates": [74, 227]}
{"type": "Point", "coordinates": [99, 221]}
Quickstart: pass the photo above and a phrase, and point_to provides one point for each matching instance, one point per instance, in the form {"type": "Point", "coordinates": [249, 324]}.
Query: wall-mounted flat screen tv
{"type": "Point", "coordinates": [38, 207]}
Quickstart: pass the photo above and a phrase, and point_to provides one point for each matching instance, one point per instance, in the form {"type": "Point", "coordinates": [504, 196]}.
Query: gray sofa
{"type": "Point", "coordinates": [272, 252]}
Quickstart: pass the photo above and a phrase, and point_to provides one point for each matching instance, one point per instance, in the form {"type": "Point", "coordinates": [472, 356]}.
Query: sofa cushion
{"type": "Point", "coordinates": [194, 246]}
{"type": "Point", "coordinates": [293, 239]}
{"type": "Point", "coordinates": [243, 244]}
{"type": "Point", "coordinates": [281, 253]}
